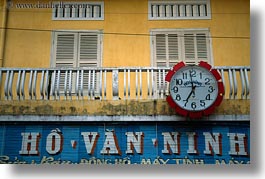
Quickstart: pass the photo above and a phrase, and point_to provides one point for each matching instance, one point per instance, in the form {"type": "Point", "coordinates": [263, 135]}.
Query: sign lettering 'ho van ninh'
{"type": "Point", "coordinates": [141, 143]}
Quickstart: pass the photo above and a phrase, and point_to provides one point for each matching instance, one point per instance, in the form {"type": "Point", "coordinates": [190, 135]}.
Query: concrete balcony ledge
{"type": "Point", "coordinates": [108, 108]}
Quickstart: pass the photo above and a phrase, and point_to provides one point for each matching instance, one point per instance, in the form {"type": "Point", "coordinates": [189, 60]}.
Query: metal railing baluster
{"type": "Point", "coordinates": [100, 84]}
{"type": "Point", "coordinates": [10, 84]}
{"type": "Point", "coordinates": [34, 83]}
{"type": "Point", "coordinates": [124, 84]}
{"type": "Point", "coordinates": [93, 84]}
{"type": "Point", "coordinates": [42, 85]}
{"type": "Point", "coordinates": [58, 84]}
{"type": "Point", "coordinates": [6, 84]}
{"type": "Point", "coordinates": [231, 84]}
{"type": "Point", "coordinates": [235, 83]}
{"type": "Point", "coordinates": [243, 90]}
{"type": "Point", "coordinates": [65, 84]}
{"type": "Point", "coordinates": [247, 83]}
{"type": "Point", "coordinates": [141, 85]}
{"type": "Point", "coordinates": [46, 85]}
{"type": "Point", "coordinates": [136, 84]}
{"type": "Point", "coordinates": [18, 87]}
{"type": "Point", "coordinates": [70, 84]}
{"type": "Point", "coordinates": [82, 84]}
{"type": "Point", "coordinates": [105, 84]}
{"type": "Point", "coordinates": [77, 84]}
{"type": "Point", "coordinates": [129, 84]}
{"type": "Point", "coordinates": [30, 84]}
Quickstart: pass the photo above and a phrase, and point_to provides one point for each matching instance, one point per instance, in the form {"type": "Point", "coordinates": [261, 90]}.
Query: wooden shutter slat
{"type": "Point", "coordinates": [173, 48]}
{"type": "Point", "coordinates": [202, 51]}
{"type": "Point", "coordinates": [89, 57]}
{"type": "Point", "coordinates": [160, 47]}
{"type": "Point", "coordinates": [189, 47]}
{"type": "Point", "coordinates": [65, 47]}
{"type": "Point", "coordinates": [88, 48]}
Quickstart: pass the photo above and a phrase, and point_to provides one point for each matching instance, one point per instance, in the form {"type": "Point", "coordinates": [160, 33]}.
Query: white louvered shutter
{"type": "Point", "coordinates": [166, 54]}
{"type": "Point", "coordinates": [195, 48]}
{"type": "Point", "coordinates": [160, 45]}
{"type": "Point", "coordinates": [65, 55]}
{"type": "Point", "coordinates": [160, 50]}
{"type": "Point", "coordinates": [166, 50]}
{"type": "Point", "coordinates": [189, 48]}
{"type": "Point", "coordinates": [202, 47]}
{"type": "Point", "coordinates": [76, 49]}
{"type": "Point", "coordinates": [89, 57]}
{"type": "Point", "coordinates": [173, 49]}
{"type": "Point", "coordinates": [88, 50]}
{"type": "Point", "coordinates": [65, 49]}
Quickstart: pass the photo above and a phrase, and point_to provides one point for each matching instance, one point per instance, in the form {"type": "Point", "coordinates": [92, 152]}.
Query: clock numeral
{"type": "Point", "coordinates": [208, 97]}
{"type": "Point", "coordinates": [201, 75]}
{"type": "Point", "coordinates": [193, 105]}
{"type": "Point", "coordinates": [179, 82]}
{"type": "Point", "coordinates": [175, 89]}
{"type": "Point", "coordinates": [207, 81]}
{"type": "Point", "coordinates": [178, 98]}
{"type": "Point", "coordinates": [184, 76]}
{"type": "Point", "coordinates": [211, 89]}
{"type": "Point", "coordinates": [186, 101]}
{"type": "Point", "coordinates": [202, 103]}
{"type": "Point", "coordinates": [192, 73]}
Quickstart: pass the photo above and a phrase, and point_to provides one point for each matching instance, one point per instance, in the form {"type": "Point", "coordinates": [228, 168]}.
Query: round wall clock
{"type": "Point", "coordinates": [195, 90]}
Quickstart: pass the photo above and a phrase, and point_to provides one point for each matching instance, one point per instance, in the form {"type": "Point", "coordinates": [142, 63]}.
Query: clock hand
{"type": "Point", "coordinates": [189, 95]}
{"type": "Point", "coordinates": [192, 86]}
{"type": "Point", "coordinates": [192, 92]}
{"type": "Point", "coordinates": [191, 81]}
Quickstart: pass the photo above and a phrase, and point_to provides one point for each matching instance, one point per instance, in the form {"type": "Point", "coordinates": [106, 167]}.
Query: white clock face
{"type": "Point", "coordinates": [193, 88]}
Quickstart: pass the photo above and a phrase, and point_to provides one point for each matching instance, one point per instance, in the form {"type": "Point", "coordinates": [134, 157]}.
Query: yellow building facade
{"type": "Point", "coordinates": [126, 30]}
{"type": "Point", "coordinates": [104, 62]}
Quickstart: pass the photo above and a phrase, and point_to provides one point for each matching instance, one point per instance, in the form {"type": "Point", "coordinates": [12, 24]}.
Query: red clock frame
{"type": "Point", "coordinates": [207, 111]}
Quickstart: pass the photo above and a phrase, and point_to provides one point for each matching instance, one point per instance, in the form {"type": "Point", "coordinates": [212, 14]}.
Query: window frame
{"type": "Point", "coordinates": [73, 3]}
{"type": "Point", "coordinates": [179, 2]}
{"type": "Point", "coordinates": [76, 63]}
{"type": "Point", "coordinates": [154, 32]}
{"type": "Point", "coordinates": [53, 44]}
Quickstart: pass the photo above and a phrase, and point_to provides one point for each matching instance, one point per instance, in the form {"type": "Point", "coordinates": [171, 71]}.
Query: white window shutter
{"type": "Point", "coordinates": [202, 50]}
{"type": "Point", "coordinates": [167, 51]}
{"type": "Point", "coordinates": [173, 46]}
{"type": "Point", "coordinates": [160, 50]}
{"type": "Point", "coordinates": [173, 49]}
{"type": "Point", "coordinates": [65, 56]}
{"type": "Point", "coordinates": [196, 47]}
{"type": "Point", "coordinates": [77, 49]}
{"type": "Point", "coordinates": [65, 49]}
{"type": "Point", "coordinates": [89, 48]}
{"type": "Point", "coordinates": [189, 48]}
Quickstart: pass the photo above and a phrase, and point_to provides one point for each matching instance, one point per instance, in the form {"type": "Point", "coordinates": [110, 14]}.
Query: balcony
{"type": "Point", "coordinates": [107, 94]}
{"type": "Point", "coordinates": [105, 83]}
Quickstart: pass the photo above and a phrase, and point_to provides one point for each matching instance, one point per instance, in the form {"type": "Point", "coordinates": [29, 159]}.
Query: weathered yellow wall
{"type": "Point", "coordinates": [2, 30]}
{"type": "Point", "coordinates": [111, 108]}
{"type": "Point", "coordinates": [32, 48]}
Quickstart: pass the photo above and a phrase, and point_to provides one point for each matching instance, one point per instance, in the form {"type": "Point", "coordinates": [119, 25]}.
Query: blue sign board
{"type": "Point", "coordinates": [125, 143]}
